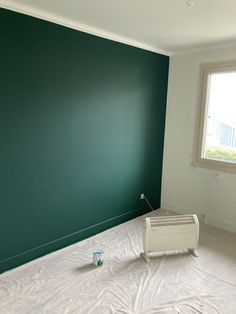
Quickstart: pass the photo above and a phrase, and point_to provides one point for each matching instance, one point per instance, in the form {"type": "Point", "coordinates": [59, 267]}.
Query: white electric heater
{"type": "Point", "coordinates": [169, 233]}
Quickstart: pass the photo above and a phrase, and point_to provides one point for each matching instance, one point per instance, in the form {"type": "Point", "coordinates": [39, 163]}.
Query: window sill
{"type": "Point", "coordinates": [217, 165]}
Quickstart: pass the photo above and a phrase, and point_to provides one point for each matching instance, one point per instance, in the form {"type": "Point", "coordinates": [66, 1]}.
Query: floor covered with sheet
{"type": "Point", "coordinates": [67, 282]}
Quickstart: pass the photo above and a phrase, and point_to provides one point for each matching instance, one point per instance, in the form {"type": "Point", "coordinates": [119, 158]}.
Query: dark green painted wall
{"type": "Point", "coordinates": [82, 126]}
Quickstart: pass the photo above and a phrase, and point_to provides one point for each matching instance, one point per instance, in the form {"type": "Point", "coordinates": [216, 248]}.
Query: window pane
{"type": "Point", "coordinates": [220, 134]}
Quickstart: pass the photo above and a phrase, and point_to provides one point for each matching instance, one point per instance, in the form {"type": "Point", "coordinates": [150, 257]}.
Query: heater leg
{"type": "Point", "coordinates": [146, 257]}
{"type": "Point", "coordinates": [193, 252]}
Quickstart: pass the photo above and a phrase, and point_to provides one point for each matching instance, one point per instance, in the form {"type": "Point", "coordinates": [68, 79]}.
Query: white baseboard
{"type": "Point", "coordinates": [208, 219]}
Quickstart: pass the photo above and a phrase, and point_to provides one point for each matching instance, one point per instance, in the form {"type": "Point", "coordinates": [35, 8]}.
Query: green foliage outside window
{"type": "Point", "coordinates": [220, 153]}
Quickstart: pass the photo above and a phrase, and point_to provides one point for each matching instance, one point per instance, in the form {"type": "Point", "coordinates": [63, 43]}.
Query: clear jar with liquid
{"type": "Point", "coordinates": [98, 258]}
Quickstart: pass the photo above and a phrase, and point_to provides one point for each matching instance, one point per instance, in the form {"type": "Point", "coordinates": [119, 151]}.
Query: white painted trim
{"type": "Point", "coordinates": [201, 120]}
{"type": "Point", "coordinates": [43, 15]}
{"type": "Point", "coordinates": [211, 220]}
{"type": "Point", "coordinates": [205, 47]}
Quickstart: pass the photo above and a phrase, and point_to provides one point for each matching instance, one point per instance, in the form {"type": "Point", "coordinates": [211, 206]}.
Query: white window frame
{"type": "Point", "coordinates": [201, 123]}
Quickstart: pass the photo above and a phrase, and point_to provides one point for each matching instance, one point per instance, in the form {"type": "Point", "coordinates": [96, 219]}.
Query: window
{"type": "Point", "coordinates": [215, 147]}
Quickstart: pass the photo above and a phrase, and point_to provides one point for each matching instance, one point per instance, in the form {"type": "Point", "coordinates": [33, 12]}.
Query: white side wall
{"type": "Point", "coordinates": [186, 189]}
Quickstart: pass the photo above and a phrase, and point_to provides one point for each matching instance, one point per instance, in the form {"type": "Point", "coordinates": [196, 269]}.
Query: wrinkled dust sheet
{"type": "Point", "coordinates": [67, 282]}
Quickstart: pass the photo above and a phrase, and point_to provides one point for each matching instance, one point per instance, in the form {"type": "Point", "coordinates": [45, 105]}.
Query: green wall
{"type": "Point", "coordinates": [82, 126]}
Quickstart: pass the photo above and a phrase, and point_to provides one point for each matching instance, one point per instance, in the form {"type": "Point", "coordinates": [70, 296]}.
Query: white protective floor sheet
{"type": "Point", "coordinates": [66, 281]}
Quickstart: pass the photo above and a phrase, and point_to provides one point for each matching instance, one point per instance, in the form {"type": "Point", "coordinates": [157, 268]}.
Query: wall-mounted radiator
{"type": "Point", "coordinates": [168, 233]}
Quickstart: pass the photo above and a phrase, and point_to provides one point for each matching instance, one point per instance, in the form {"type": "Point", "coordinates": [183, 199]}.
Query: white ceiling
{"type": "Point", "coordinates": [166, 26]}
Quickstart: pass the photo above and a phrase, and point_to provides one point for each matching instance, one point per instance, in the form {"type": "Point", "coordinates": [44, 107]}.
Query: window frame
{"type": "Point", "coordinates": [199, 142]}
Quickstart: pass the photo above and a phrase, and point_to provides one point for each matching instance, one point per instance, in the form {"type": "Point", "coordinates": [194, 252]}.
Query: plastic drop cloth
{"type": "Point", "coordinates": [67, 282]}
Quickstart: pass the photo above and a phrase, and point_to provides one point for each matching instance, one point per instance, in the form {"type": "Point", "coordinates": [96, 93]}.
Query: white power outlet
{"type": "Point", "coordinates": [142, 196]}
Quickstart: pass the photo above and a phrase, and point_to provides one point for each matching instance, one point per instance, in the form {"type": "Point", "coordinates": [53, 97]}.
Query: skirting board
{"type": "Point", "coordinates": [64, 249]}
{"type": "Point", "coordinates": [46, 248]}
{"type": "Point", "coordinates": [203, 217]}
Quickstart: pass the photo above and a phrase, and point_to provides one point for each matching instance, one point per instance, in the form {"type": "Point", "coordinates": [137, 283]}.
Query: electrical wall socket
{"type": "Point", "coordinates": [142, 196]}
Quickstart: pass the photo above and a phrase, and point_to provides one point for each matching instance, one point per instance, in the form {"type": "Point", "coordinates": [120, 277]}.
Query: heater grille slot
{"type": "Point", "coordinates": [171, 220]}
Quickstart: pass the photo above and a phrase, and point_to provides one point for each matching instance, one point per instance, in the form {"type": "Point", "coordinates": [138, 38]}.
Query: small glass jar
{"type": "Point", "coordinates": [97, 258]}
